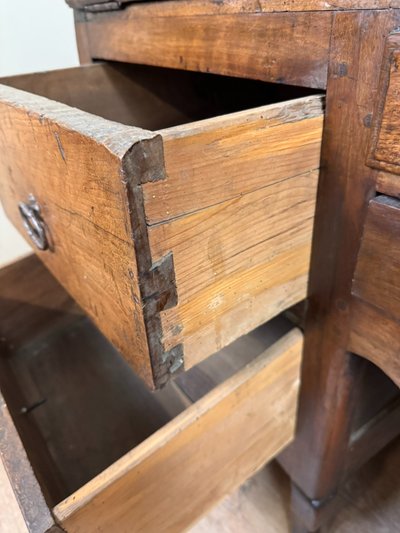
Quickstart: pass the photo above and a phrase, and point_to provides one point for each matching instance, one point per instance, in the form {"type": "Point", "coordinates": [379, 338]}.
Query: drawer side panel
{"type": "Point", "coordinates": [71, 162]}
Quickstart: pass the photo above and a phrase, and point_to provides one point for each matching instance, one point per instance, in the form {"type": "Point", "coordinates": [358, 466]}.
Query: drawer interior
{"type": "Point", "coordinates": [151, 98]}
{"type": "Point", "coordinates": [181, 225]}
{"type": "Point", "coordinates": [75, 402]}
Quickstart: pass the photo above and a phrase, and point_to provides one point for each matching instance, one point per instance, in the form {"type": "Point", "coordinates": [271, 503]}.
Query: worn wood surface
{"type": "Point", "coordinates": [376, 310]}
{"type": "Point", "coordinates": [240, 153]}
{"type": "Point", "coordinates": [330, 374]}
{"type": "Point", "coordinates": [27, 284]}
{"type": "Point", "coordinates": [87, 231]}
{"type": "Point", "coordinates": [251, 45]}
{"type": "Point", "coordinates": [130, 223]}
{"type": "Point", "coordinates": [153, 485]}
{"type": "Point", "coordinates": [130, 94]}
{"type": "Point", "coordinates": [371, 438]}
{"type": "Point", "coordinates": [261, 6]}
{"type": "Point", "coordinates": [83, 430]}
{"type": "Point", "coordinates": [237, 264]}
{"type": "Point", "coordinates": [385, 136]}
{"type": "Point", "coordinates": [247, 254]}
{"type": "Point", "coordinates": [377, 274]}
{"type": "Point", "coordinates": [27, 502]}
{"type": "Point", "coordinates": [369, 501]}
{"type": "Point", "coordinates": [389, 184]}
{"type": "Point", "coordinates": [374, 335]}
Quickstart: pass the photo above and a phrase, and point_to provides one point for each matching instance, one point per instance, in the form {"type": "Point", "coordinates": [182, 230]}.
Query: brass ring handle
{"type": "Point", "coordinates": [33, 223]}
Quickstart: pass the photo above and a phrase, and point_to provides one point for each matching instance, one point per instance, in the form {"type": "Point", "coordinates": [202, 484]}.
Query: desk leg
{"type": "Point", "coordinates": [316, 461]}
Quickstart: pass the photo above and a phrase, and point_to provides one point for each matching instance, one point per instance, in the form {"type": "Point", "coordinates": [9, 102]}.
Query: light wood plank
{"type": "Point", "coordinates": [237, 264]}
{"type": "Point", "coordinates": [225, 157]}
{"type": "Point", "coordinates": [153, 486]}
{"type": "Point", "coordinates": [72, 162]}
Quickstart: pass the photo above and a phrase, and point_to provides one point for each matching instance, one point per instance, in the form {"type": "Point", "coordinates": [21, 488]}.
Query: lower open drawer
{"type": "Point", "coordinates": [180, 224]}
{"type": "Point", "coordinates": [89, 448]}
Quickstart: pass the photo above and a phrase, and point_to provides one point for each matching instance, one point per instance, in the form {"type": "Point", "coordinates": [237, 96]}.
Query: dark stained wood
{"type": "Point", "coordinates": [258, 6]}
{"type": "Point", "coordinates": [316, 460]}
{"type": "Point", "coordinates": [135, 95]}
{"type": "Point", "coordinates": [25, 285]}
{"type": "Point", "coordinates": [377, 274]}
{"type": "Point", "coordinates": [374, 436]}
{"type": "Point", "coordinates": [85, 428]}
{"type": "Point", "coordinates": [385, 135]}
{"type": "Point", "coordinates": [375, 335]}
{"type": "Point", "coordinates": [221, 44]}
{"type": "Point", "coordinates": [376, 309]}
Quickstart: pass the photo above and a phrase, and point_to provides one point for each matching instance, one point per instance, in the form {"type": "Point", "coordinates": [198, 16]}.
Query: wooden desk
{"type": "Point", "coordinates": [347, 48]}
{"type": "Point", "coordinates": [340, 47]}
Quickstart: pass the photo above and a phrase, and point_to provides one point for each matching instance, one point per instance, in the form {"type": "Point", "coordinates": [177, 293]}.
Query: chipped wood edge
{"type": "Point", "coordinates": [142, 163]}
{"type": "Point", "coordinates": [26, 488]}
{"type": "Point", "coordinates": [115, 137]}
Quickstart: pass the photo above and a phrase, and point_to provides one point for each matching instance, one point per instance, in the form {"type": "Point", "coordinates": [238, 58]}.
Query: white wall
{"type": "Point", "coordinates": [34, 35]}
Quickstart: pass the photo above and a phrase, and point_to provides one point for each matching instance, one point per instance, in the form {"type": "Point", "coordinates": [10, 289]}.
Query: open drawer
{"type": "Point", "coordinates": [92, 449]}
{"type": "Point", "coordinates": [176, 237]}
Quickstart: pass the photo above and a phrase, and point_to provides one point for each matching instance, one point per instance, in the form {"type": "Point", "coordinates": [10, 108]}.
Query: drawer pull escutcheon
{"type": "Point", "coordinates": [33, 223]}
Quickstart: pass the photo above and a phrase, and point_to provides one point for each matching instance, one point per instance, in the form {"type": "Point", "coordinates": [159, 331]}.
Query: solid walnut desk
{"type": "Point", "coordinates": [180, 215]}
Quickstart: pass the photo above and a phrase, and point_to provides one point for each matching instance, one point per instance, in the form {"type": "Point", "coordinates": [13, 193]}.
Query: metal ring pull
{"type": "Point", "coordinates": [33, 223]}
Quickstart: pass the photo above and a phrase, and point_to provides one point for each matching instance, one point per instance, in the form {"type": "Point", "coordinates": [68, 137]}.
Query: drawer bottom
{"type": "Point", "coordinates": [105, 451]}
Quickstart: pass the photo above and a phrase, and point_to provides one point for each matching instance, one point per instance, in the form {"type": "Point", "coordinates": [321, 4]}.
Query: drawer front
{"type": "Point", "coordinates": [175, 476]}
{"type": "Point", "coordinates": [175, 241]}
{"type": "Point", "coordinates": [71, 163]}
{"type": "Point", "coordinates": [375, 329]}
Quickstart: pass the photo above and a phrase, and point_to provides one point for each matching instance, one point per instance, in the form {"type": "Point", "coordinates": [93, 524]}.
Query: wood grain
{"type": "Point", "coordinates": [376, 310]}
{"type": "Point", "coordinates": [133, 95]}
{"type": "Point", "coordinates": [240, 153]}
{"type": "Point", "coordinates": [16, 469]}
{"type": "Point", "coordinates": [130, 222]}
{"type": "Point", "coordinates": [237, 264]}
{"type": "Point", "coordinates": [388, 184]}
{"type": "Point", "coordinates": [374, 335]}
{"type": "Point", "coordinates": [377, 274]}
{"type": "Point", "coordinates": [184, 7]}
{"type": "Point", "coordinates": [330, 375]}
{"type": "Point", "coordinates": [88, 232]}
{"type": "Point", "coordinates": [24, 285]}
{"type": "Point", "coordinates": [251, 45]}
{"type": "Point", "coordinates": [385, 137]}
{"type": "Point", "coordinates": [153, 485]}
